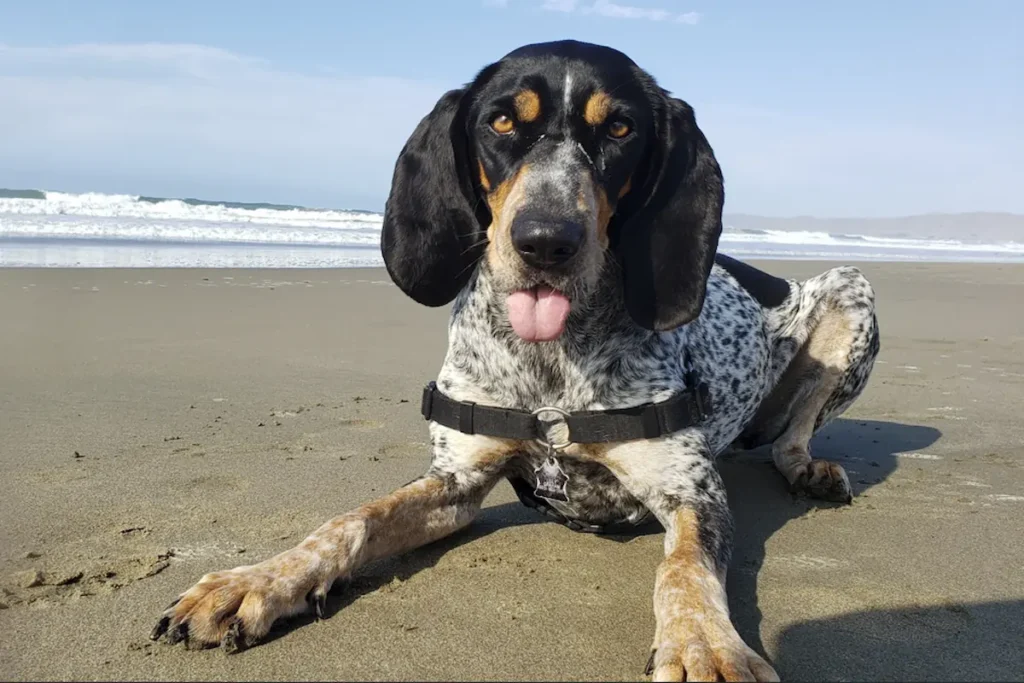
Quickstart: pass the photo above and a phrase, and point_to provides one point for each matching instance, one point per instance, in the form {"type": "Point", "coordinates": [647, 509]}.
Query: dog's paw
{"type": "Point", "coordinates": [236, 608]}
{"type": "Point", "coordinates": [825, 480]}
{"type": "Point", "coordinates": [711, 652]}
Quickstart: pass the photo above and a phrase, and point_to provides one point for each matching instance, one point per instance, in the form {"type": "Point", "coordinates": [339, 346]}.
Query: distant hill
{"type": "Point", "coordinates": [980, 226]}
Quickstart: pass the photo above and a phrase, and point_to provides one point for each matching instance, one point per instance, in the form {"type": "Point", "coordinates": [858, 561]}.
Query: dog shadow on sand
{"type": "Point", "coordinates": [961, 641]}
{"type": "Point", "coordinates": [761, 505]}
{"type": "Point", "coordinates": [841, 648]}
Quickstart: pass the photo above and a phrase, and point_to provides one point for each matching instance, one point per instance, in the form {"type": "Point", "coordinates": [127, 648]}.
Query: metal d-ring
{"type": "Point", "coordinates": [565, 419]}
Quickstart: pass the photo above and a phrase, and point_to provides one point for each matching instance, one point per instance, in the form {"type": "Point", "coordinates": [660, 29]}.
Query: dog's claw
{"type": "Point", "coordinates": [178, 634]}
{"type": "Point", "coordinates": [160, 628]}
{"type": "Point", "coordinates": [234, 639]}
{"type": "Point", "coordinates": [320, 600]}
{"type": "Point", "coordinates": [649, 668]}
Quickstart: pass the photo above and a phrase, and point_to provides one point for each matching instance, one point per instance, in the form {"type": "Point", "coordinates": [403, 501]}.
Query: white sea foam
{"type": "Point", "coordinates": [804, 238]}
{"type": "Point", "coordinates": [93, 229]}
{"type": "Point", "coordinates": [129, 206]}
{"type": "Point", "coordinates": [194, 231]}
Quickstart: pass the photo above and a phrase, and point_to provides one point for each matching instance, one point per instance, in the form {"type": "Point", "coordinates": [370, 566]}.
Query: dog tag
{"type": "Point", "coordinates": [551, 480]}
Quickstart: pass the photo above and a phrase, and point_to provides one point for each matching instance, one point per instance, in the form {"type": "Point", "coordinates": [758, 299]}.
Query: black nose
{"type": "Point", "coordinates": [546, 243]}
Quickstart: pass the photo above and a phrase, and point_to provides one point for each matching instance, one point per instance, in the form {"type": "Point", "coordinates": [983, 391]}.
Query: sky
{"type": "Point", "coordinates": [813, 108]}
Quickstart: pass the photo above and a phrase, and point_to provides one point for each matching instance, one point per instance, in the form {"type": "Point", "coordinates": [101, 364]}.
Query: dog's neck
{"type": "Point", "coordinates": [599, 354]}
{"type": "Point", "coordinates": [600, 360]}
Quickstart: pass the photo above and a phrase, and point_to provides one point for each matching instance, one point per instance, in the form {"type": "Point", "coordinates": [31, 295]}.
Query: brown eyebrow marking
{"type": "Point", "coordinates": [599, 105]}
{"type": "Point", "coordinates": [527, 104]}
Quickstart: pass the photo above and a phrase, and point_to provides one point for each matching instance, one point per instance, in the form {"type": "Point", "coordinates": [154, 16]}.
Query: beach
{"type": "Point", "coordinates": [158, 424]}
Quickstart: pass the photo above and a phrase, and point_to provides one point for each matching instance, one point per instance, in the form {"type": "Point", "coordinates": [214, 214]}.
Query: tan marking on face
{"type": "Point", "coordinates": [527, 103]}
{"type": "Point", "coordinates": [497, 198]}
{"type": "Point", "coordinates": [604, 217]}
{"type": "Point", "coordinates": [503, 200]}
{"type": "Point", "coordinates": [484, 180]}
{"type": "Point", "coordinates": [626, 188]}
{"type": "Point", "coordinates": [598, 106]}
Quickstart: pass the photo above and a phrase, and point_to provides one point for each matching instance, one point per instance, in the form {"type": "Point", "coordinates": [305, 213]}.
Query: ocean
{"type": "Point", "coordinates": [41, 228]}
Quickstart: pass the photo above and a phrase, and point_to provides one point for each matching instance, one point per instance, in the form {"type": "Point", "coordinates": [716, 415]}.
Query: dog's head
{"type": "Point", "coordinates": [553, 159]}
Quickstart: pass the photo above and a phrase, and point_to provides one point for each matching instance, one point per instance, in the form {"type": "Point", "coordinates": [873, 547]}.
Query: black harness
{"type": "Point", "coordinates": [687, 408]}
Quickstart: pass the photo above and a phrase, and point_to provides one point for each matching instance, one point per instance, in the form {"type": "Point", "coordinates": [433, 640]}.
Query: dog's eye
{"type": "Point", "coordinates": [502, 125]}
{"type": "Point", "coordinates": [618, 130]}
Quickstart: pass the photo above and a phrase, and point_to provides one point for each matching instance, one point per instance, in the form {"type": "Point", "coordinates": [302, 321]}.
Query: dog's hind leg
{"type": "Point", "coordinates": [236, 608]}
{"type": "Point", "coordinates": [815, 375]}
{"type": "Point", "coordinates": [837, 332]}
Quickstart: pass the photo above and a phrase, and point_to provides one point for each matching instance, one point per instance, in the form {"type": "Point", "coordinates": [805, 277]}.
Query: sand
{"type": "Point", "coordinates": [156, 425]}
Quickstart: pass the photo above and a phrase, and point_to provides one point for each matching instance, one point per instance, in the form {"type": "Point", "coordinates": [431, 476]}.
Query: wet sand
{"type": "Point", "coordinates": [156, 425]}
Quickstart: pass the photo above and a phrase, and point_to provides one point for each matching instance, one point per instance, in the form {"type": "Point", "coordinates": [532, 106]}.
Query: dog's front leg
{"type": "Point", "coordinates": [236, 608]}
{"type": "Point", "coordinates": [695, 639]}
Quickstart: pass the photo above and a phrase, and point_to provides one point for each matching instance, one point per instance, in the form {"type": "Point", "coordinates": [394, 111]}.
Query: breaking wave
{"type": "Point", "coordinates": [39, 227]}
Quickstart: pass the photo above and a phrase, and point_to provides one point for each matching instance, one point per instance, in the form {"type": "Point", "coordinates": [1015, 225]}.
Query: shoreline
{"type": "Point", "coordinates": [101, 254]}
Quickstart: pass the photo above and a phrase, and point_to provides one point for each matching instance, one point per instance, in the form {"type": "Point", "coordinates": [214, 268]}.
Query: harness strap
{"type": "Point", "coordinates": [687, 408]}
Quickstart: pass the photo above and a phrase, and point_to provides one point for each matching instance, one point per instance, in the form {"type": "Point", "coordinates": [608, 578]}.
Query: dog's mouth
{"type": "Point", "coordinates": [538, 314]}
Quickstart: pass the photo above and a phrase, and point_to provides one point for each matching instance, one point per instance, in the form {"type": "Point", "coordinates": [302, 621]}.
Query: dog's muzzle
{"type": "Point", "coordinates": [548, 234]}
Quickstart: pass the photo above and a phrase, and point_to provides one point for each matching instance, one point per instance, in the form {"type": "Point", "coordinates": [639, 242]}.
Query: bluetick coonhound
{"type": "Point", "coordinates": [571, 210]}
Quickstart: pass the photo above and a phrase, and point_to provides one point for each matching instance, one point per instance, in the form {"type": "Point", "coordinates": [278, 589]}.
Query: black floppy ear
{"type": "Point", "coordinates": [430, 227]}
{"type": "Point", "coordinates": [667, 246]}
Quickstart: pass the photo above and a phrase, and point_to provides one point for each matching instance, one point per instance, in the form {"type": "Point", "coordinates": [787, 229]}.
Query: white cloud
{"type": "Point", "coordinates": [193, 116]}
{"type": "Point", "coordinates": [610, 9]}
{"type": "Point", "coordinates": [195, 120]}
{"type": "Point", "coordinates": [560, 5]}
{"type": "Point", "coordinates": [607, 8]}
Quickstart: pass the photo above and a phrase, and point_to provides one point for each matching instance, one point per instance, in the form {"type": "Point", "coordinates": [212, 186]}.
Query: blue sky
{"type": "Point", "coordinates": [820, 108]}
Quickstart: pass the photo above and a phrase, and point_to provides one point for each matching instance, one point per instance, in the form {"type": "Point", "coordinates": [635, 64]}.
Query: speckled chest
{"type": "Point", "coordinates": [603, 362]}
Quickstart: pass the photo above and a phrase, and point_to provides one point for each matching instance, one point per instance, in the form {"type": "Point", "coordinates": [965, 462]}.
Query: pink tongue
{"type": "Point", "coordinates": [538, 314]}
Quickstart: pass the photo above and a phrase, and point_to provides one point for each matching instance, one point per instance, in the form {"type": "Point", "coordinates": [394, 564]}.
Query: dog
{"type": "Point", "coordinates": [569, 210]}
